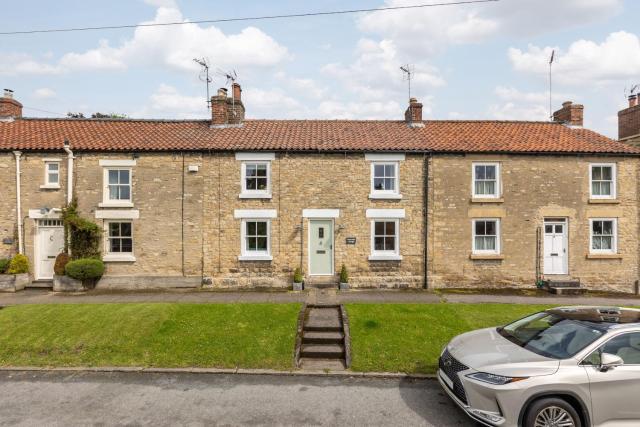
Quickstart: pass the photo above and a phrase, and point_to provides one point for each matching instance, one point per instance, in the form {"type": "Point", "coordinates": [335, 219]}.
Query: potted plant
{"type": "Point", "coordinates": [298, 280]}
{"type": "Point", "coordinates": [344, 278]}
{"type": "Point", "coordinates": [14, 273]}
{"type": "Point", "coordinates": [62, 283]}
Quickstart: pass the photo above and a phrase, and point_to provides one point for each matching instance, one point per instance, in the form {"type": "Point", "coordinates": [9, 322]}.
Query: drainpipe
{"type": "Point", "coordinates": [70, 158]}
{"type": "Point", "coordinates": [425, 187]}
{"type": "Point", "coordinates": [18, 204]}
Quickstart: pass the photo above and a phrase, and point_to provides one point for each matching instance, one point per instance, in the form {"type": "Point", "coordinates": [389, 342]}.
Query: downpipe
{"type": "Point", "coordinates": [67, 148]}
{"type": "Point", "coordinates": [18, 154]}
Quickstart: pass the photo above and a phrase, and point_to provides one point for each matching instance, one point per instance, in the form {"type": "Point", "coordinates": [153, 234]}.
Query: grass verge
{"type": "Point", "coordinates": [158, 335]}
{"type": "Point", "coordinates": [409, 337]}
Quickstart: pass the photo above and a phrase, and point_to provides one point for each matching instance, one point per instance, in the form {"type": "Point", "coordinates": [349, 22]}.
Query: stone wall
{"type": "Point", "coordinates": [534, 187]}
{"type": "Point", "coordinates": [8, 229]}
{"type": "Point", "coordinates": [311, 181]}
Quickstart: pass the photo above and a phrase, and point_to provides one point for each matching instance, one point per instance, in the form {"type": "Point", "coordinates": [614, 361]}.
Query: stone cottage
{"type": "Point", "coordinates": [412, 203]}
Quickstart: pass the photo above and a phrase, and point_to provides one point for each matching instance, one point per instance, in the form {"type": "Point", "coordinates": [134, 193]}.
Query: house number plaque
{"type": "Point", "coordinates": [351, 240]}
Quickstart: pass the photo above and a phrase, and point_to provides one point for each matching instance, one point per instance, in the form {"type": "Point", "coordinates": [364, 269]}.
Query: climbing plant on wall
{"type": "Point", "coordinates": [82, 237]}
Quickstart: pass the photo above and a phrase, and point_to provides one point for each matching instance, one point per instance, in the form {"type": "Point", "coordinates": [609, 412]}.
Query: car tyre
{"type": "Point", "coordinates": [552, 411]}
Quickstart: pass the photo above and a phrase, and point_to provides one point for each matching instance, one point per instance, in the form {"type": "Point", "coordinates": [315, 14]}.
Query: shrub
{"type": "Point", "coordinates": [87, 269]}
{"type": "Point", "coordinates": [344, 274]}
{"type": "Point", "coordinates": [19, 264]}
{"type": "Point", "coordinates": [297, 275]}
{"type": "Point", "coordinates": [83, 235]}
{"type": "Point", "coordinates": [4, 264]}
{"type": "Point", "coordinates": [61, 262]}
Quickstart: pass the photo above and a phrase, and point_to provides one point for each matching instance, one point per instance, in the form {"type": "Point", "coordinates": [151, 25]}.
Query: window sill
{"type": "Point", "coordinates": [115, 205]}
{"type": "Point", "coordinates": [118, 258]}
{"type": "Point", "coordinates": [604, 201]}
{"type": "Point", "coordinates": [382, 196]}
{"type": "Point", "coordinates": [255, 258]}
{"type": "Point", "coordinates": [385, 258]}
{"type": "Point", "coordinates": [50, 187]}
{"type": "Point", "coordinates": [604, 256]}
{"type": "Point", "coordinates": [487, 200]}
{"type": "Point", "coordinates": [486, 257]}
{"type": "Point", "coordinates": [254, 196]}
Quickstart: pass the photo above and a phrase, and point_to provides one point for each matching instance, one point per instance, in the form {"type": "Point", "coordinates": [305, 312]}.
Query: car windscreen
{"type": "Point", "coordinates": [551, 335]}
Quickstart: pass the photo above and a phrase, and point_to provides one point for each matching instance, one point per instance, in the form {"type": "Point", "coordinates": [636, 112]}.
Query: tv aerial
{"type": "Point", "coordinates": [408, 73]}
{"type": "Point", "coordinates": [204, 76]}
{"type": "Point", "coordinates": [231, 77]}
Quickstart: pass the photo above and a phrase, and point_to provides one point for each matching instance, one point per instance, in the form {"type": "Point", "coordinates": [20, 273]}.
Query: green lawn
{"type": "Point", "coordinates": [409, 337]}
{"type": "Point", "coordinates": [166, 335]}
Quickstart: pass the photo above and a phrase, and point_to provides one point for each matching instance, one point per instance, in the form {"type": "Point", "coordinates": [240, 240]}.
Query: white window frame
{"type": "Point", "coordinates": [106, 201]}
{"type": "Point", "coordinates": [255, 194]}
{"type": "Point", "coordinates": [117, 256]}
{"type": "Point", "coordinates": [393, 255]}
{"type": "Point", "coordinates": [47, 182]}
{"type": "Point", "coordinates": [614, 240]}
{"type": "Point", "coordinates": [614, 179]}
{"type": "Point", "coordinates": [385, 159]}
{"type": "Point", "coordinates": [495, 251]}
{"type": "Point", "coordinates": [386, 194]}
{"type": "Point", "coordinates": [498, 186]}
{"type": "Point", "coordinates": [246, 255]}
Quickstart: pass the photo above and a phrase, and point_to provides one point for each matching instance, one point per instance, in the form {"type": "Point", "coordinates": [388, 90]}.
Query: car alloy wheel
{"type": "Point", "coordinates": [554, 416]}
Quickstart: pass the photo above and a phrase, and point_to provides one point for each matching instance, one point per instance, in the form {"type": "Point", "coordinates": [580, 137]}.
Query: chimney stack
{"type": "Point", "coordinates": [227, 111]}
{"type": "Point", "coordinates": [629, 121]}
{"type": "Point", "coordinates": [9, 107]}
{"type": "Point", "coordinates": [570, 114]}
{"type": "Point", "coordinates": [413, 114]}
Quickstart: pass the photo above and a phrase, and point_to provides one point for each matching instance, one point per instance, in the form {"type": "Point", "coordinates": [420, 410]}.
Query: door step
{"type": "Point", "coordinates": [321, 282]}
{"type": "Point", "coordinates": [564, 286]}
{"type": "Point", "coordinates": [567, 290]}
{"type": "Point", "coordinates": [41, 284]}
{"type": "Point", "coordinates": [323, 338]}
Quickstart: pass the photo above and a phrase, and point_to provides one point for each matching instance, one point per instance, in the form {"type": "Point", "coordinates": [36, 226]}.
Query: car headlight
{"type": "Point", "coordinates": [494, 379]}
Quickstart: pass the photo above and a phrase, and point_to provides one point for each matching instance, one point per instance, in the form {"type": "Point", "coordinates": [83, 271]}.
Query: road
{"type": "Point", "coordinates": [97, 398]}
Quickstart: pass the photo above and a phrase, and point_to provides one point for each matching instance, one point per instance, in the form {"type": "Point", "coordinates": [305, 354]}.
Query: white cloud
{"type": "Point", "coordinates": [168, 102]}
{"type": "Point", "coordinates": [171, 46]}
{"type": "Point", "coordinates": [429, 30]}
{"type": "Point", "coordinates": [44, 93]}
{"type": "Point", "coordinates": [518, 105]}
{"type": "Point", "coordinates": [161, 3]}
{"type": "Point", "coordinates": [518, 111]}
{"type": "Point", "coordinates": [617, 58]}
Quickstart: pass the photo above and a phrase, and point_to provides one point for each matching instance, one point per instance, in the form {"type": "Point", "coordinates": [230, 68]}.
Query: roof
{"type": "Point", "coordinates": [305, 135]}
{"type": "Point", "coordinates": [606, 316]}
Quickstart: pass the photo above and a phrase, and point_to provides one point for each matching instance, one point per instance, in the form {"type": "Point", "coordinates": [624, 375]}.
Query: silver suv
{"type": "Point", "coordinates": [563, 367]}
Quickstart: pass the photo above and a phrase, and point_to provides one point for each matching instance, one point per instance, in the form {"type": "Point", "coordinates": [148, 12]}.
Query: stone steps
{"type": "Point", "coordinates": [322, 339]}
{"type": "Point", "coordinates": [567, 290]}
{"type": "Point", "coordinates": [321, 282]}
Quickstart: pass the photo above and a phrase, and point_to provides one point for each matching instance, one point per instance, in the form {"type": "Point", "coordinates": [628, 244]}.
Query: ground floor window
{"type": "Point", "coordinates": [255, 237]}
{"type": "Point", "coordinates": [603, 235]}
{"type": "Point", "coordinates": [385, 237]}
{"type": "Point", "coordinates": [486, 236]}
{"type": "Point", "coordinates": [119, 238]}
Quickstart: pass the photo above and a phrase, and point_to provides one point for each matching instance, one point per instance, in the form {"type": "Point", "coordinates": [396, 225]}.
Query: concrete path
{"type": "Point", "coordinates": [108, 399]}
{"type": "Point", "coordinates": [314, 296]}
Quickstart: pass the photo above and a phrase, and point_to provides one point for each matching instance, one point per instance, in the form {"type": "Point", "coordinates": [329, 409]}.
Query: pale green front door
{"type": "Point", "coordinates": [320, 246]}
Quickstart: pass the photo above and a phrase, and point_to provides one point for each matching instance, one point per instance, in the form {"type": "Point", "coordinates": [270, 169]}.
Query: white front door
{"type": "Point", "coordinates": [555, 247]}
{"type": "Point", "coordinates": [321, 247]}
{"type": "Point", "coordinates": [49, 243]}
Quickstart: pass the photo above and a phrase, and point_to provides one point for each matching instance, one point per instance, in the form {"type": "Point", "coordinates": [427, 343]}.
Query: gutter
{"type": "Point", "coordinates": [70, 158]}
{"type": "Point", "coordinates": [18, 154]}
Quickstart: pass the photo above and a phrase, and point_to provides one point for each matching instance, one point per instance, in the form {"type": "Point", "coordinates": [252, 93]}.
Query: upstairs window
{"type": "Point", "coordinates": [603, 181]}
{"type": "Point", "coordinates": [255, 175]}
{"type": "Point", "coordinates": [603, 235]}
{"type": "Point", "coordinates": [52, 174]}
{"type": "Point", "coordinates": [255, 178]}
{"type": "Point", "coordinates": [486, 180]}
{"type": "Point", "coordinates": [486, 236]}
{"type": "Point", "coordinates": [119, 184]}
{"type": "Point", "coordinates": [385, 175]}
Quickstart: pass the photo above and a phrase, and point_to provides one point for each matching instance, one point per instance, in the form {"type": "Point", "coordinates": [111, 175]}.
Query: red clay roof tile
{"type": "Point", "coordinates": [305, 135]}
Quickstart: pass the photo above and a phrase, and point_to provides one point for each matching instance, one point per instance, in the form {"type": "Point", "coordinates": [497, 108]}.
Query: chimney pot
{"type": "Point", "coordinates": [236, 91]}
{"type": "Point", "coordinates": [633, 100]}
{"type": "Point", "coordinates": [566, 104]}
{"type": "Point", "coordinates": [222, 92]}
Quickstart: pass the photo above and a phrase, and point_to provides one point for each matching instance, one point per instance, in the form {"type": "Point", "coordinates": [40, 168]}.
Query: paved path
{"type": "Point", "coordinates": [332, 296]}
{"type": "Point", "coordinates": [106, 399]}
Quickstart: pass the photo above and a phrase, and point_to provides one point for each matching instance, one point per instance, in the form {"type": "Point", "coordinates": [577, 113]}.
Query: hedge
{"type": "Point", "coordinates": [85, 269]}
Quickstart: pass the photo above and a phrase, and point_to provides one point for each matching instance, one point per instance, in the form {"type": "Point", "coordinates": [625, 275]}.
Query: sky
{"type": "Point", "coordinates": [481, 61]}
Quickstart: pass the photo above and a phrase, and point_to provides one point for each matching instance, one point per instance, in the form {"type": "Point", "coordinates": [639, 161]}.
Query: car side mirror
{"type": "Point", "coordinates": [609, 361]}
